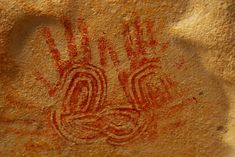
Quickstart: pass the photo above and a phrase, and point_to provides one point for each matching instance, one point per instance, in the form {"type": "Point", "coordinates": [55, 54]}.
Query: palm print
{"type": "Point", "coordinates": [84, 116]}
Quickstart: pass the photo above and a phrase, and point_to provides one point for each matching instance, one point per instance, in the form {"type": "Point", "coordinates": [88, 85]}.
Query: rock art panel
{"type": "Point", "coordinates": [116, 78]}
{"type": "Point", "coordinates": [84, 115]}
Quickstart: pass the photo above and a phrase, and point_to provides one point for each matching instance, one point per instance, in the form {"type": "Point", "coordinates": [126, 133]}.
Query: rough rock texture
{"type": "Point", "coordinates": [117, 78]}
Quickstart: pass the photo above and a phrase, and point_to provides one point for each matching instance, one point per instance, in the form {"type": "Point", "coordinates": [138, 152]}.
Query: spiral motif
{"type": "Point", "coordinates": [127, 124]}
{"type": "Point", "coordinates": [124, 125]}
{"type": "Point", "coordinates": [83, 118]}
{"type": "Point", "coordinates": [138, 89]}
{"type": "Point", "coordinates": [85, 90]}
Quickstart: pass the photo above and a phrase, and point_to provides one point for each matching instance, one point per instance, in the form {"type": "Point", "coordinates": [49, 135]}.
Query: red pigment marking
{"type": "Point", "coordinates": [149, 25]}
{"type": "Point", "coordinates": [105, 46]}
{"type": "Point", "coordinates": [140, 49]}
{"type": "Point", "coordinates": [137, 82]}
{"type": "Point", "coordinates": [128, 41]}
{"type": "Point", "coordinates": [72, 49]}
{"type": "Point", "coordinates": [51, 44]}
{"type": "Point", "coordinates": [84, 85]}
{"type": "Point", "coordinates": [126, 125]}
{"type": "Point", "coordinates": [82, 27]}
{"type": "Point", "coordinates": [162, 94]}
{"type": "Point", "coordinates": [83, 116]}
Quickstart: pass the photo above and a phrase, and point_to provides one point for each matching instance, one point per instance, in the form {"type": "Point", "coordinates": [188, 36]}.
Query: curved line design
{"type": "Point", "coordinates": [137, 87]}
{"type": "Point", "coordinates": [124, 125]}
{"type": "Point", "coordinates": [87, 80]}
{"type": "Point", "coordinates": [85, 89]}
{"type": "Point", "coordinates": [83, 118]}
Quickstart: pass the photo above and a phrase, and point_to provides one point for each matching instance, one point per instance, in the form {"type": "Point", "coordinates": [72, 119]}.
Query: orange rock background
{"type": "Point", "coordinates": [195, 46]}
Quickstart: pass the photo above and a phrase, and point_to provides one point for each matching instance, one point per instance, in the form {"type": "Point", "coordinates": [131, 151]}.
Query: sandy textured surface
{"type": "Point", "coordinates": [117, 78]}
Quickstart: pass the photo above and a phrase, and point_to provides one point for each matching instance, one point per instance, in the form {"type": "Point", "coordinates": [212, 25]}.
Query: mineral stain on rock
{"type": "Point", "coordinates": [114, 78]}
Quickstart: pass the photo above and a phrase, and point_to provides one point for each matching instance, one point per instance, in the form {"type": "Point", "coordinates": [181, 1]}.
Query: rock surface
{"type": "Point", "coordinates": [117, 78]}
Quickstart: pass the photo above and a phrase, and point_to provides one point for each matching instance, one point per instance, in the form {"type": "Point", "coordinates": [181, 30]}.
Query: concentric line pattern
{"type": "Point", "coordinates": [80, 128]}
{"type": "Point", "coordinates": [127, 124]}
{"type": "Point", "coordinates": [87, 119]}
{"type": "Point", "coordinates": [86, 80]}
{"type": "Point", "coordinates": [85, 89]}
{"type": "Point", "coordinates": [82, 117]}
{"type": "Point", "coordinates": [124, 125]}
{"type": "Point", "coordinates": [137, 87]}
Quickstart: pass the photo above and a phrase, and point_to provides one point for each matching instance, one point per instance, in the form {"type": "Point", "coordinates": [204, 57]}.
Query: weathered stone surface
{"type": "Point", "coordinates": [117, 78]}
